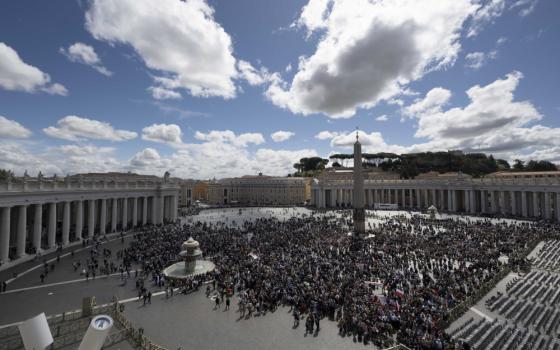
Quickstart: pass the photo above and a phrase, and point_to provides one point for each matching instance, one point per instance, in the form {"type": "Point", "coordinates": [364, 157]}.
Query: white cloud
{"type": "Point", "coordinates": [229, 137]}
{"type": "Point", "coordinates": [85, 54]}
{"type": "Point", "coordinates": [370, 51]}
{"type": "Point", "coordinates": [164, 133]}
{"type": "Point", "coordinates": [433, 102]}
{"type": "Point", "coordinates": [486, 13]}
{"type": "Point", "coordinates": [371, 142]}
{"type": "Point", "coordinates": [16, 75]}
{"type": "Point", "coordinates": [288, 68]}
{"type": "Point", "coordinates": [180, 40]}
{"type": "Point", "coordinates": [12, 129]}
{"type": "Point", "coordinates": [280, 136]}
{"type": "Point", "coordinates": [382, 118]}
{"type": "Point", "coordinates": [493, 122]}
{"type": "Point", "coordinates": [501, 40]}
{"type": "Point", "coordinates": [325, 135]}
{"type": "Point", "coordinates": [251, 74]}
{"type": "Point", "coordinates": [314, 15]}
{"type": "Point", "coordinates": [160, 93]}
{"type": "Point", "coordinates": [475, 60]}
{"type": "Point", "coordinates": [74, 128]}
{"type": "Point", "coordinates": [526, 7]}
{"type": "Point", "coordinates": [62, 160]}
{"type": "Point", "coordinates": [149, 158]}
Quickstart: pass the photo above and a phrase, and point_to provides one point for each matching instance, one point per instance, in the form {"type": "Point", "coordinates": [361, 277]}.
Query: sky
{"type": "Point", "coordinates": [220, 88]}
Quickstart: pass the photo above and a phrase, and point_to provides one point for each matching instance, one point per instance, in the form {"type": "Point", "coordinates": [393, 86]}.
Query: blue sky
{"type": "Point", "coordinates": [200, 87]}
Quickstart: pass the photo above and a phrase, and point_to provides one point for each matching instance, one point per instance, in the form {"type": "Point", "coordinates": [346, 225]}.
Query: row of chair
{"type": "Point", "coordinates": [495, 334]}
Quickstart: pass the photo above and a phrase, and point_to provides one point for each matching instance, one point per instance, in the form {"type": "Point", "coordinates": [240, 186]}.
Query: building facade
{"type": "Point", "coordinates": [258, 190]}
{"type": "Point", "coordinates": [536, 197]}
{"type": "Point", "coordinates": [39, 214]}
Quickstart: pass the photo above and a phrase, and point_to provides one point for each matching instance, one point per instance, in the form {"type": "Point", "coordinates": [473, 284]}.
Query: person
{"type": "Point", "coordinates": [217, 306]}
{"type": "Point", "coordinates": [42, 277]}
{"type": "Point", "coordinates": [149, 297]}
{"type": "Point", "coordinates": [227, 303]}
{"type": "Point", "coordinates": [309, 324]}
{"type": "Point", "coordinates": [296, 317]}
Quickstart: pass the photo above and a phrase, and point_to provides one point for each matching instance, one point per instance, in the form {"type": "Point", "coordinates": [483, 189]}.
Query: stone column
{"type": "Point", "coordinates": [536, 211]}
{"type": "Point", "coordinates": [5, 235]}
{"type": "Point", "coordinates": [52, 225]}
{"type": "Point", "coordinates": [449, 200]}
{"type": "Point", "coordinates": [472, 205]}
{"type": "Point", "coordinates": [483, 201]}
{"type": "Point", "coordinates": [513, 203]}
{"type": "Point", "coordinates": [502, 197]}
{"type": "Point", "coordinates": [66, 224]}
{"type": "Point", "coordinates": [403, 198]}
{"type": "Point", "coordinates": [418, 199]}
{"type": "Point", "coordinates": [144, 210]}
{"type": "Point", "coordinates": [103, 217]}
{"type": "Point", "coordinates": [38, 226]}
{"type": "Point", "coordinates": [155, 210]}
{"type": "Point", "coordinates": [114, 217]}
{"type": "Point", "coordinates": [454, 200]}
{"type": "Point", "coordinates": [175, 208]}
{"type": "Point", "coordinates": [79, 218]}
{"type": "Point", "coordinates": [91, 218]}
{"type": "Point", "coordinates": [547, 207]}
{"type": "Point", "coordinates": [441, 200]}
{"type": "Point", "coordinates": [134, 211]}
{"type": "Point", "coordinates": [493, 202]}
{"type": "Point", "coordinates": [161, 208]}
{"type": "Point", "coordinates": [524, 204]}
{"type": "Point", "coordinates": [125, 214]}
{"type": "Point", "coordinates": [557, 194]}
{"type": "Point", "coordinates": [21, 231]}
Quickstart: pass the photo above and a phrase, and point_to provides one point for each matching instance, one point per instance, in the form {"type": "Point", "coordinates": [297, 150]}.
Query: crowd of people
{"type": "Point", "coordinates": [397, 284]}
{"type": "Point", "coordinates": [401, 283]}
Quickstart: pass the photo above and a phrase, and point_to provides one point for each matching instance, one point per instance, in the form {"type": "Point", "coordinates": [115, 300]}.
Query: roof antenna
{"type": "Point", "coordinates": [357, 137]}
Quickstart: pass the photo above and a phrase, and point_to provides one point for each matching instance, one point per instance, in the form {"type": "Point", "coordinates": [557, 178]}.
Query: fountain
{"type": "Point", "coordinates": [432, 212]}
{"type": "Point", "coordinates": [192, 263]}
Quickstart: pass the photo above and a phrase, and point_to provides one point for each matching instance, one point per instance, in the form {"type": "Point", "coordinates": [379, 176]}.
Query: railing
{"type": "Point", "coordinates": [67, 329]}
{"type": "Point", "coordinates": [136, 335]}
{"type": "Point", "coordinates": [447, 182]}
{"type": "Point", "coordinates": [87, 185]}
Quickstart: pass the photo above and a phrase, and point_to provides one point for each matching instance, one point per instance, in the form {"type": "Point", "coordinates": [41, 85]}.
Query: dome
{"type": "Point", "coordinates": [190, 244]}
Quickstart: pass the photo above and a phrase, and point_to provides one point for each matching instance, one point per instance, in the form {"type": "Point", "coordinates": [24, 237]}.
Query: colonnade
{"type": "Point", "coordinates": [526, 203]}
{"type": "Point", "coordinates": [51, 222]}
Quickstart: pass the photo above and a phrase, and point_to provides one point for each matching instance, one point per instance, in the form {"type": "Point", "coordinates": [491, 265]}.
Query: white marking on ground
{"type": "Point", "coordinates": [64, 255]}
{"type": "Point", "coordinates": [481, 314]}
{"type": "Point", "coordinates": [60, 283]}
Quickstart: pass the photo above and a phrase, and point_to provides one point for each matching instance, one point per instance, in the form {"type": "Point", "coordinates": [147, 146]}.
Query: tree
{"type": "Point", "coordinates": [542, 165]}
{"type": "Point", "coordinates": [518, 165]}
{"type": "Point", "coordinates": [502, 164]}
{"type": "Point", "coordinates": [5, 175]}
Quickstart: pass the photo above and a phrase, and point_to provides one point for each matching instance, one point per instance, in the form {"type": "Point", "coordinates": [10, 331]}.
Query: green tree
{"type": "Point", "coordinates": [5, 175]}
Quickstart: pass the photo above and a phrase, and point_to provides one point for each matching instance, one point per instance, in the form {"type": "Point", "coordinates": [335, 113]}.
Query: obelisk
{"type": "Point", "coordinates": [358, 192]}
